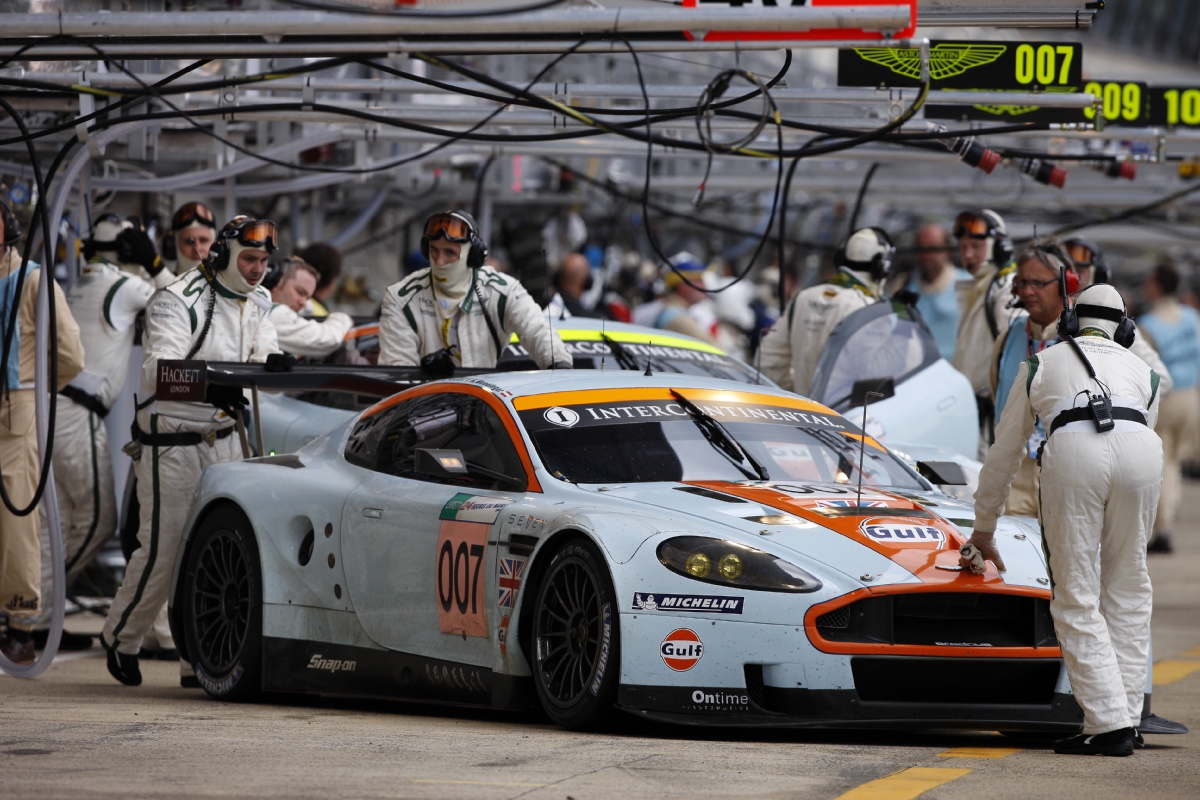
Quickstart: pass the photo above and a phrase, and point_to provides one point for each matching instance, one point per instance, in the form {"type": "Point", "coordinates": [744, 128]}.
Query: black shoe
{"type": "Point", "coordinates": [19, 653]}
{"type": "Point", "coordinates": [1138, 742]}
{"type": "Point", "coordinates": [1160, 543]}
{"type": "Point", "coordinates": [70, 642]}
{"type": "Point", "coordinates": [1113, 743]}
{"type": "Point", "coordinates": [189, 682]}
{"type": "Point", "coordinates": [1154, 724]}
{"type": "Point", "coordinates": [122, 666]}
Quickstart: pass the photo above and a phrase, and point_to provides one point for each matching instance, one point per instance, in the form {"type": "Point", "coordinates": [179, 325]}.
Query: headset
{"type": "Point", "coordinates": [1002, 250]}
{"type": "Point", "coordinates": [218, 254]}
{"type": "Point", "coordinates": [880, 264]}
{"type": "Point", "coordinates": [273, 275]}
{"type": "Point", "coordinates": [1068, 322]}
{"type": "Point", "coordinates": [90, 245]}
{"type": "Point", "coordinates": [1067, 285]}
{"type": "Point", "coordinates": [12, 228]}
{"type": "Point", "coordinates": [479, 249]}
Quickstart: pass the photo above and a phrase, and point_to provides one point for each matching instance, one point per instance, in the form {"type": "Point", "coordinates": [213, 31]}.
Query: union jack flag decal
{"type": "Point", "coordinates": [512, 570]}
{"type": "Point", "coordinates": [851, 504]}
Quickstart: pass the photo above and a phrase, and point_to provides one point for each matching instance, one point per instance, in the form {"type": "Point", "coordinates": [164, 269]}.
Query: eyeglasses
{"type": "Point", "coordinates": [1029, 283]}
{"type": "Point", "coordinates": [193, 213]}
{"type": "Point", "coordinates": [256, 233]}
{"type": "Point", "coordinates": [971, 224]}
{"type": "Point", "coordinates": [451, 226]}
{"type": "Point", "coordinates": [1081, 254]}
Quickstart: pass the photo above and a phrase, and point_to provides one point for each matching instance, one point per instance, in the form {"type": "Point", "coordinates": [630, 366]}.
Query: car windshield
{"type": "Point", "coordinates": [644, 440]}
{"type": "Point", "coordinates": [613, 353]}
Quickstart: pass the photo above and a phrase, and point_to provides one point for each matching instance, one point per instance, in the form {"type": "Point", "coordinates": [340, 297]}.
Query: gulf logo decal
{"type": "Point", "coordinates": [893, 532]}
{"type": "Point", "coordinates": [681, 649]}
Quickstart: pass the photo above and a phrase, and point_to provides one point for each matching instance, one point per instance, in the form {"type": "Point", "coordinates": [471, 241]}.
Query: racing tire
{"type": "Point", "coordinates": [221, 597]}
{"type": "Point", "coordinates": [576, 638]}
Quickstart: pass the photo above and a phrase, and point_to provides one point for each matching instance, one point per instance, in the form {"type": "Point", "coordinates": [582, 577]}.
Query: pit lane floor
{"type": "Point", "coordinates": [76, 733]}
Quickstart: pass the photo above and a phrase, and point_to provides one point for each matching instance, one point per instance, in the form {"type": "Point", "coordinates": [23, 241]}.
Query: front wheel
{"type": "Point", "coordinates": [222, 606]}
{"type": "Point", "coordinates": [576, 638]}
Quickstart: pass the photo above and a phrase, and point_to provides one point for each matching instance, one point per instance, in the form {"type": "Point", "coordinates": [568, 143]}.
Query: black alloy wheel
{"type": "Point", "coordinates": [575, 638]}
{"type": "Point", "coordinates": [222, 597]}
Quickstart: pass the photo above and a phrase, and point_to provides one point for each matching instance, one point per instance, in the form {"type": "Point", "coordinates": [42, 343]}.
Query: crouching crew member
{"type": "Point", "coordinates": [1101, 470]}
{"type": "Point", "coordinates": [292, 283]}
{"type": "Point", "coordinates": [217, 312]}
{"type": "Point", "coordinates": [458, 312]}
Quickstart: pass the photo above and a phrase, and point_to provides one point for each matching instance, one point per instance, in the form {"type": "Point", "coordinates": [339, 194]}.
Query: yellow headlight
{"type": "Point", "coordinates": [699, 565]}
{"type": "Point", "coordinates": [731, 567]}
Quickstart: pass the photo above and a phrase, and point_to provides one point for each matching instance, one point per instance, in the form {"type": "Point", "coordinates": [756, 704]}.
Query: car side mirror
{"type": "Point", "coordinates": [443, 463]}
{"type": "Point", "coordinates": [873, 386]}
{"type": "Point", "coordinates": [943, 473]}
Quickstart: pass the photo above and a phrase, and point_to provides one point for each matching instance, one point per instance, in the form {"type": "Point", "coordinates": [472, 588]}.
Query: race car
{"type": "Point", "coordinates": [677, 547]}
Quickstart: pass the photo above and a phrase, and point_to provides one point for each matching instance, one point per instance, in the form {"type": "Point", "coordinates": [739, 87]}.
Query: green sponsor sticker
{"type": "Point", "coordinates": [450, 510]}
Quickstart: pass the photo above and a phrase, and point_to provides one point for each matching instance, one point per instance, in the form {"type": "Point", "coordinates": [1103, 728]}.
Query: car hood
{"type": "Point", "coordinates": [890, 538]}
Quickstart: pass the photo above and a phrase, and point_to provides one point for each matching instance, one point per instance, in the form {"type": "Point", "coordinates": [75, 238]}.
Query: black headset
{"type": "Point", "coordinates": [12, 228]}
{"type": "Point", "coordinates": [880, 264]}
{"type": "Point", "coordinates": [90, 248]}
{"type": "Point", "coordinates": [218, 254]}
{"type": "Point", "coordinates": [273, 275]}
{"type": "Point", "coordinates": [479, 248]}
{"type": "Point", "coordinates": [1068, 322]}
{"type": "Point", "coordinates": [1002, 246]}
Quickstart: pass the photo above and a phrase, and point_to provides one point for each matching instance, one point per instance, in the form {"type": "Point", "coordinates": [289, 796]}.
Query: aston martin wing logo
{"type": "Point", "coordinates": [1016, 111]}
{"type": "Point", "coordinates": [945, 60]}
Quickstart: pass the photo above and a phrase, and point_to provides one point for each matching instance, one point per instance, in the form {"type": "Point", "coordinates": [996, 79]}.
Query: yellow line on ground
{"type": "Point", "coordinates": [979, 752]}
{"type": "Point", "coordinates": [474, 783]}
{"type": "Point", "coordinates": [904, 785]}
{"type": "Point", "coordinates": [1170, 671]}
{"type": "Point", "coordinates": [1193, 653]}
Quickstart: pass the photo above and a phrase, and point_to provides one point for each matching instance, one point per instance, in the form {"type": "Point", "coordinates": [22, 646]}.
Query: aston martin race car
{"type": "Point", "coordinates": [677, 547]}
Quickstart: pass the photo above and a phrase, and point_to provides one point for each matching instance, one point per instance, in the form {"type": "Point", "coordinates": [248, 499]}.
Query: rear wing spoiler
{"type": "Point", "coordinates": [188, 381]}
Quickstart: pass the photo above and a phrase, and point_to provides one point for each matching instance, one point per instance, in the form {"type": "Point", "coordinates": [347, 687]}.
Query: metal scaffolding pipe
{"type": "Point", "coordinates": [569, 91]}
{"type": "Point", "coordinates": [565, 22]}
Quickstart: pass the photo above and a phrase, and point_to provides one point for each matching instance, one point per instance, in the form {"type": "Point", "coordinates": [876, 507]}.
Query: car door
{"type": "Point", "coordinates": [419, 567]}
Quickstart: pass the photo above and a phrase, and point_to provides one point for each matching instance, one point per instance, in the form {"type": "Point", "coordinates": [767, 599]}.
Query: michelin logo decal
{"type": "Point", "coordinates": [688, 602]}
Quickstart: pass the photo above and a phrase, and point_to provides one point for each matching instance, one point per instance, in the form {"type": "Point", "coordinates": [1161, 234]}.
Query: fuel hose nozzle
{"type": "Point", "coordinates": [973, 152]}
{"type": "Point", "coordinates": [1043, 171]}
{"type": "Point", "coordinates": [1115, 169]}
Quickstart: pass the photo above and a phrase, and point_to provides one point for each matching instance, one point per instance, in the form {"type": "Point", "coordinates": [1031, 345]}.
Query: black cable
{"type": "Point", "coordinates": [480, 180]}
{"type": "Point", "coordinates": [1128, 213]}
{"type": "Point", "coordinates": [862, 192]}
{"type": "Point", "coordinates": [52, 321]}
{"type": "Point", "coordinates": [382, 12]}
{"type": "Point", "coordinates": [66, 126]}
{"type": "Point", "coordinates": [19, 52]}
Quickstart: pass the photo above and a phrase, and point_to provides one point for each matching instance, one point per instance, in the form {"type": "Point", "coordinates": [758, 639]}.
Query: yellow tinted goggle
{"type": "Point", "coordinates": [968, 224]}
{"type": "Point", "coordinates": [453, 228]}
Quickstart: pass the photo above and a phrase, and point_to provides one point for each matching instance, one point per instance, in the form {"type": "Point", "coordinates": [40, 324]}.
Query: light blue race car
{"type": "Point", "coordinates": [678, 547]}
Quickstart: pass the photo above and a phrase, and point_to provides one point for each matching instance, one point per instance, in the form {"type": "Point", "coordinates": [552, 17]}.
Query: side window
{"type": "Point", "coordinates": [451, 421]}
{"type": "Point", "coordinates": [362, 448]}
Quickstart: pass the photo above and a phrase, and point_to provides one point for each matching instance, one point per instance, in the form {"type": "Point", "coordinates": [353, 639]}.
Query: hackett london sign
{"type": "Point", "coordinates": [181, 381]}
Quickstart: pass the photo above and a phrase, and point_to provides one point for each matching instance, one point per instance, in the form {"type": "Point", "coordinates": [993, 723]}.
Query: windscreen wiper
{"type": "Point", "coordinates": [623, 356]}
{"type": "Point", "coordinates": [722, 441]}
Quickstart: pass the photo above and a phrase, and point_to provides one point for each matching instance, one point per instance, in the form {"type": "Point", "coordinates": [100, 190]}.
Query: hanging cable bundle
{"type": "Point", "coordinates": [714, 91]}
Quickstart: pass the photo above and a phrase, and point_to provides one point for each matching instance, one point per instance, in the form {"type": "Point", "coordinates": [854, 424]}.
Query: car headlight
{"type": "Point", "coordinates": [731, 564]}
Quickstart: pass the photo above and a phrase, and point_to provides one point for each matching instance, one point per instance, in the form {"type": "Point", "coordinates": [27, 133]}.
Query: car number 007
{"type": "Point", "coordinates": [459, 566]}
{"type": "Point", "coordinates": [454, 572]}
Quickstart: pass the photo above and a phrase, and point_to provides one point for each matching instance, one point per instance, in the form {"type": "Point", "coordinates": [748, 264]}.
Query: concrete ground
{"type": "Point", "coordinates": [76, 733]}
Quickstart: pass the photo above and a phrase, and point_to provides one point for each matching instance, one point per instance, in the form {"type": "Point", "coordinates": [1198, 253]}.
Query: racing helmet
{"type": "Point", "coordinates": [1099, 306]}
{"type": "Point", "coordinates": [986, 224]}
{"type": "Point", "coordinates": [458, 227]}
{"type": "Point", "coordinates": [105, 231]}
{"type": "Point", "coordinates": [1085, 253]}
{"type": "Point", "coordinates": [868, 250]}
{"type": "Point", "coordinates": [241, 232]}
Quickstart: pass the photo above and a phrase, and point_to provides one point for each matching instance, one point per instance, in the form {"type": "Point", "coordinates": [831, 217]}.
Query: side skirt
{"type": "Point", "coordinates": [295, 665]}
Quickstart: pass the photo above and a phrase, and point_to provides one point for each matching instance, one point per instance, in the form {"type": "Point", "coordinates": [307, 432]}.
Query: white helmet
{"type": "Point", "coordinates": [1096, 300]}
{"type": "Point", "coordinates": [868, 250]}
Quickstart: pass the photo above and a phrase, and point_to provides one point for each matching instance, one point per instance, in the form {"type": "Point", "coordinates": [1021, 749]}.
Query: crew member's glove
{"type": "Point", "coordinates": [564, 365]}
{"type": "Point", "coordinates": [439, 364]}
{"type": "Point", "coordinates": [981, 547]}
{"type": "Point", "coordinates": [229, 399]}
{"type": "Point", "coordinates": [134, 246]}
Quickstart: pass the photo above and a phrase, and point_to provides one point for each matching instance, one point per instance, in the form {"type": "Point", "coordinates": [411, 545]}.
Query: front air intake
{"type": "Point", "coordinates": [943, 619]}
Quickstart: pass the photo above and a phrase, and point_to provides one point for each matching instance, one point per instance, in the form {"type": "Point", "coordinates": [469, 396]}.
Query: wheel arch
{"type": "Point", "coordinates": [198, 518]}
{"type": "Point", "coordinates": [537, 571]}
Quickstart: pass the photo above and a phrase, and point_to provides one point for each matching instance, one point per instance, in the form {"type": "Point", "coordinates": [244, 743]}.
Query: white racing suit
{"type": "Point", "coordinates": [986, 318]}
{"type": "Point", "coordinates": [791, 349]}
{"type": "Point", "coordinates": [303, 336]}
{"type": "Point", "coordinates": [410, 328]}
{"type": "Point", "coordinates": [168, 469]}
{"type": "Point", "coordinates": [105, 302]}
{"type": "Point", "coordinates": [1099, 491]}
